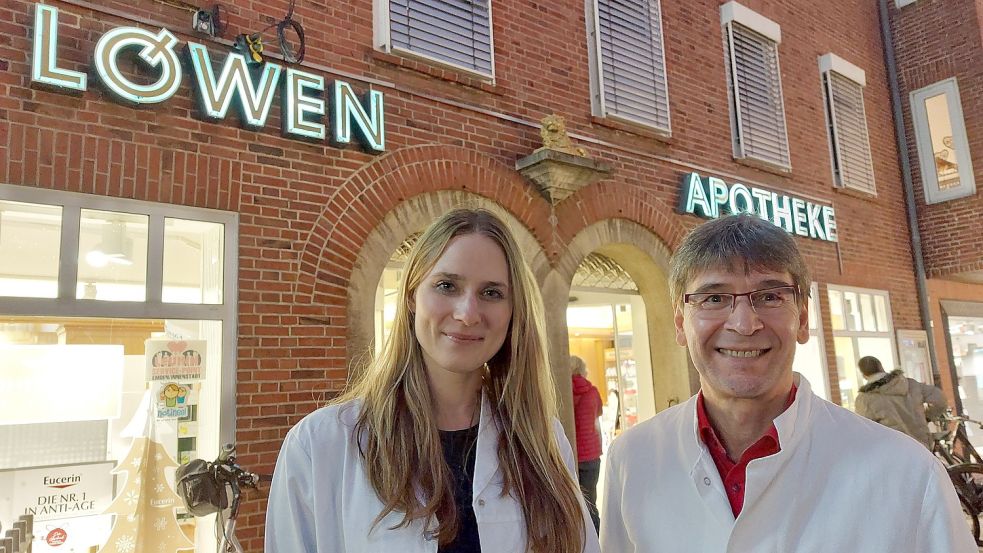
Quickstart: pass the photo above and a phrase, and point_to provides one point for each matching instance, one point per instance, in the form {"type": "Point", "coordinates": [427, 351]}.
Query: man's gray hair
{"type": "Point", "coordinates": [740, 242]}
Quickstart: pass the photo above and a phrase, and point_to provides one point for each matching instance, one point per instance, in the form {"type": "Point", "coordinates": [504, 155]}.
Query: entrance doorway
{"type": "Point", "coordinates": [609, 332]}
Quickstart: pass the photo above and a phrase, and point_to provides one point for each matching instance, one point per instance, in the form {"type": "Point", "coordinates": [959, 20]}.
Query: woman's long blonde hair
{"type": "Point", "coordinates": [397, 430]}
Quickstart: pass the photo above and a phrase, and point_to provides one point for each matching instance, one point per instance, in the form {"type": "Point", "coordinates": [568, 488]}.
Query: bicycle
{"type": "Point", "coordinates": [951, 444]}
{"type": "Point", "coordinates": [964, 465]}
{"type": "Point", "coordinates": [213, 487]}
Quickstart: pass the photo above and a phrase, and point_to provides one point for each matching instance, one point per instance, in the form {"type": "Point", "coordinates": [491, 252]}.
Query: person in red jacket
{"type": "Point", "coordinates": [586, 410]}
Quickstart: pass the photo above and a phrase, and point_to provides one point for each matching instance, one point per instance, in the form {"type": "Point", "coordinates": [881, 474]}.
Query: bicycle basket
{"type": "Point", "coordinates": [202, 493]}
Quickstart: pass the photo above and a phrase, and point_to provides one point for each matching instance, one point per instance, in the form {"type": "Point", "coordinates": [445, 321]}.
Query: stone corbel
{"type": "Point", "coordinates": [558, 168]}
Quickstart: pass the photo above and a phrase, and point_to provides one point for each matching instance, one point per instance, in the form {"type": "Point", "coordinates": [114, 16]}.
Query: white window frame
{"type": "Point", "coordinates": [817, 334]}
{"type": "Point", "coordinates": [903, 3]}
{"type": "Point", "coordinates": [828, 64]}
{"type": "Point", "coordinates": [382, 34]}
{"type": "Point", "coordinates": [926, 152]}
{"type": "Point", "coordinates": [599, 106]}
{"type": "Point", "coordinates": [889, 334]}
{"type": "Point", "coordinates": [67, 305]}
{"type": "Point", "coordinates": [732, 14]}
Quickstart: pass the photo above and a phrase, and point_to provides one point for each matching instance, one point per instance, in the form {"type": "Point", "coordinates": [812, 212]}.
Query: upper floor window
{"type": "Point", "coordinates": [846, 120]}
{"type": "Point", "coordinates": [451, 32]}
{"type": "Point", "coordinates": [755, 86]}
{"type": "Point", "coordinates": [628, 66]}
{"type": "Point", "coordinates": [943, 149]}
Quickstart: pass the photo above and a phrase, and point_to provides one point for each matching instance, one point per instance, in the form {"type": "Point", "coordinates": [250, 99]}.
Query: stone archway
{"type": "Point", "coordinates": [646, 259]}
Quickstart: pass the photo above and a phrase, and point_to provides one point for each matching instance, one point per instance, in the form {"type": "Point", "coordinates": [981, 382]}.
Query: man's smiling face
{"type": "Point", "coordinates": [742, 353]}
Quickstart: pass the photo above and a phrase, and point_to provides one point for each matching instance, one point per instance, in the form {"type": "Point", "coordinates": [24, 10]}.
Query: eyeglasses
{"type": "Point", "coordinates": [764, 300]}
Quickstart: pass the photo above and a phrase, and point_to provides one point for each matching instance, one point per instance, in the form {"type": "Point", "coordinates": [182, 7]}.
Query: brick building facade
{"type": "Point", "coordinates": [313, 226]}
{"type": "Point", "coordinates": [939, 50]}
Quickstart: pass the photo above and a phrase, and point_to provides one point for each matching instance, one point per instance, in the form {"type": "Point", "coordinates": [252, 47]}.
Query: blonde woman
{"type": "Point", "coordinates": [449, 443]}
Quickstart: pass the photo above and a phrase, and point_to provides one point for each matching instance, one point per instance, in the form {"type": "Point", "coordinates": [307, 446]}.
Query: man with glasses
{"type": "Point", "coordinates": [756, 462]}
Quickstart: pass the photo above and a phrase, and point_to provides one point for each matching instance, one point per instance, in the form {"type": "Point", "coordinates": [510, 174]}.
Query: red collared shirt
{"type": "Point", "coordinates": [734, 474]}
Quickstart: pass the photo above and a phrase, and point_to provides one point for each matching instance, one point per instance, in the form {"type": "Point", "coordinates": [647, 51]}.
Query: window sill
{"type": "Point", "coordinates": [633, 128]}
{"type": "Point", "coordinates": [854, 193]}
{"type": "Point", "coordinates": [436, 71]}
{"type": "Point", "coordinates": [765, 166]}
{"type": "Point", "coordinates": [939, 198]}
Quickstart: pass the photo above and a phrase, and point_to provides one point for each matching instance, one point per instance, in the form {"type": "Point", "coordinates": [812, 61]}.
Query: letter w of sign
{"type": "Point", "coordinates": [215, 95]}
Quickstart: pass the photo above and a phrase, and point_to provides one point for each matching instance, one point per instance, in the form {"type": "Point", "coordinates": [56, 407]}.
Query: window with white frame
{"type": "Point", "coordinates": [943, 149]}
{"type": "Point", "coordinates": [810, 357]}
{"type": "Point", "coordinates": [862, 325]}
{"type": "Point", "coordinates": [451, 32]}
{"type": "Point", "coordinates": [628, 76]}
{"type": "Point", "coordinates": [846, 121]}
{"type": "Point", "coordinates": [755, 86]}
{"type": "Point", "coordinates": [107, 296]}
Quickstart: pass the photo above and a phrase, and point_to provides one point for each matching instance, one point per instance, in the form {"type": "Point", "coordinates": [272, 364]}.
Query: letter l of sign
{"type": "Point", "coordinates": [44, 63]}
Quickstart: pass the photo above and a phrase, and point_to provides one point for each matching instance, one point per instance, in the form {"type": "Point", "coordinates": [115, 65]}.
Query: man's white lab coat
{"type": "Point", "coordinates": [840, 483]}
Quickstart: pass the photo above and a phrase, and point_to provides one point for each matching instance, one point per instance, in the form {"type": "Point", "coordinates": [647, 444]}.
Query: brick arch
{"type": "Point", "coordinates": [645, 256]}
{"type": "Point", "coordinates": [609, 233]}
{"type": "Point", "coordinates": [362, 202]}
{"type": "Point", "coordinates": [614, 200]}
{"type": "Point", "coordinates": [410, 216]}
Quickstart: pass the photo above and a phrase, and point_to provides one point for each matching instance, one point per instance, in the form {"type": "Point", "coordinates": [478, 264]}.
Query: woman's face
{"type": "Point", "coordinates": [463, 306]}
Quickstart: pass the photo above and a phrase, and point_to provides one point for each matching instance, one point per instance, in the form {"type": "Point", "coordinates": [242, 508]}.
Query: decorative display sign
{"type": "Point", "coordinates": [302, 103]}
{"type": "Point", "coordinates": [711, 197]}
{"type": "Point", "coordinates": [57, 492]}
{"type": "Point", "coordinates": [172, 400]}
{"type": "Point", "coordinates": [180, 360]}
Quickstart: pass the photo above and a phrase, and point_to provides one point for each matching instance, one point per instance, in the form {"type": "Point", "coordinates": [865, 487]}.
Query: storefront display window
{"type": "Point", "coordinates": [861, 321]}
{"type": "Point", "coordinates": [810, 358]}
{"type": "Point", "coordinates": [112, 256]}
{"type": "Point", "coordinates": [966, 336]}
{"type": "Point", "coordinates": [135, 330]}
{"type": "Point", "coordinates": [193, 268]}
{"type": "Point", "coordinates": [30, 241]}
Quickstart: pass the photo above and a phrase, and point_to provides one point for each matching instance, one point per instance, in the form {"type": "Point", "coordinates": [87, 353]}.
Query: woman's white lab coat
{"type": "Point", "coordinates": [321, 500]}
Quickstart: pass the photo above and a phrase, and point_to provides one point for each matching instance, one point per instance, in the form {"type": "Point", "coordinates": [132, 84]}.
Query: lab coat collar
{"type": "Point", "coordinates": [704, 473]}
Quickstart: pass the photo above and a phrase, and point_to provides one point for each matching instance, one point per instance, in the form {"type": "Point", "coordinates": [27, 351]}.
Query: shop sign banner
{"type": "Point", "coordinates": [711, 197]}
{"type": "Point", "coordinates": [252, 89]}
{"type": "Point", "coordinates": [56, 492]}
{"type": "Point", "coordinates": [181, 360]}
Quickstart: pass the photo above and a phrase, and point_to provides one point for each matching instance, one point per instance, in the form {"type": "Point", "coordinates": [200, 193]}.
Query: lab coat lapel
{"type": "Point", "coordinates": [486, 461]}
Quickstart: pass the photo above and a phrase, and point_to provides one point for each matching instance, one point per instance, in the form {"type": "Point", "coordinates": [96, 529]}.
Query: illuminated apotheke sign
{"type": "Point", "coordinates": [302, 94]}
{"type": "Point", "coordinates": [711, 197]}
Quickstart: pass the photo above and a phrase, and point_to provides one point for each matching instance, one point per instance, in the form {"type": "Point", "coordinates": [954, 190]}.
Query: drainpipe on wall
{"type": "Point", "coordinates": [909, 189]}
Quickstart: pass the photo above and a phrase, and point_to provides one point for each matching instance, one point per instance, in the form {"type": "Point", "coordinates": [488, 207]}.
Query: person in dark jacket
{"type": "Point", "coordinates": [897, 401]}
{"type": "Point", "coordinates": [586, 410]}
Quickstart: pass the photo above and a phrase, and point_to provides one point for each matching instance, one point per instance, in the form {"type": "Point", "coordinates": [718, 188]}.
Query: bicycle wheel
{"type": "Point", "coordinates": [968, 481]}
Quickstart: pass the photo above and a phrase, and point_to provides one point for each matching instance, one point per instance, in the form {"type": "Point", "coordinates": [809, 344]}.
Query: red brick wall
{"type": "Point", "coordinates": [935, 41]}
{"type": "Point", "coordinates": [306, 207]}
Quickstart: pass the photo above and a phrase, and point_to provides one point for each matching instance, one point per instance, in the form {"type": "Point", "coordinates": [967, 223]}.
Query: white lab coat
{"type": "Point", "coordinates": [321, 500]}
{"type": "Point", "coordinates": [840, 483]}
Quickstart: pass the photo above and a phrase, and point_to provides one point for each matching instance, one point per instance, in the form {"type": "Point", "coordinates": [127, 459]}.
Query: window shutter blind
{"type": "Point", "coordinates": [852, 165]}
{"type": "Point", "coordinates": [632, 60]}
{"type": "Point", "coordinates": [453, 31]}
{"type": "Point", "coordinates": [757, 96]}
